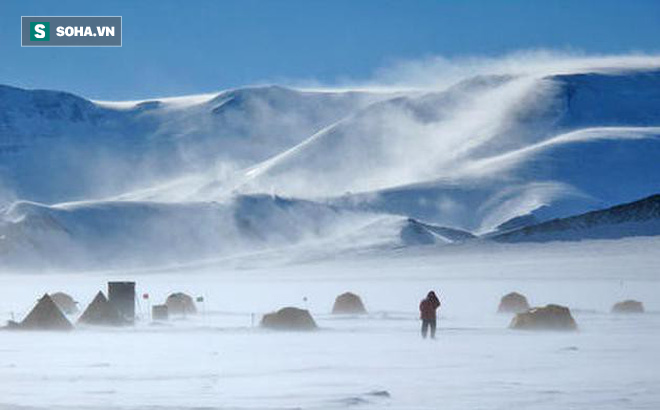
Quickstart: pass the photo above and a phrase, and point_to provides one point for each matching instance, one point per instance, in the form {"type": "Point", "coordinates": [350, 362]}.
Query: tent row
{"type": "Point", "coordinates": [551, 317]}
{"type": "Point", "coordinates": [118, 309]}
{"type": "Point", "coordinates": [50, 312]}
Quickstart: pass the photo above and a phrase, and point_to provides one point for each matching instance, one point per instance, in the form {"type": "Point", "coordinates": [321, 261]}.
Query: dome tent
{"type": "Point", "coordinates": [348, 303]}
{"type": "Point", "coordinates": [550, 317]}
{"type": "Point", "coordinates": [628, 306]}
{"type": "Point", "coordinates": [289, 318]}
{"type": "Point", "coordinates": [513, 302]}
{"type": "Point", "coordinates": [65, 302]}
{"type": "Point", "coordinates": [180, 304]}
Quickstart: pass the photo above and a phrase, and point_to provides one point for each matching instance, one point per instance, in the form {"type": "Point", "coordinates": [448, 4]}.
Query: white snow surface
{"type": "Point", "coordinates": [263, 197]}
{"type": "Point", "coordinates": [219, 360]}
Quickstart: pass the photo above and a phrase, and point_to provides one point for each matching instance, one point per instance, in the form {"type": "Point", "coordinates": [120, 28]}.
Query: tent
{"type": "Point", "coordinates": [101, 312]}
{"type": "Point", "coordinates": [348, 303]}
{"type": "Point", "coordinates": [180, 304]}
{"type": "Point", "coordinates": [65, 302]}
{"type": "Point", "coordinates": [46, 316]}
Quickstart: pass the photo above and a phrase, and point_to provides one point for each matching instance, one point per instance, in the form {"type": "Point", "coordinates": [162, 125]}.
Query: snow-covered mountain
{"type": "Point", "coordinates": [497, 150]}
{"type": "Point", "coordinates": [56, 147]}
{"type": "Point", "coordinates": [638, 218]}
{"type": "Point", "coordinates": [130, 233]}
{"type": "Point", "coordinates": [185, 178]}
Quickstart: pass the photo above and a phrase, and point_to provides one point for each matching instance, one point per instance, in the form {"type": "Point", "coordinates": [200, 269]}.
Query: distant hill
{"type": "Point", "coordinates": [639, 218]}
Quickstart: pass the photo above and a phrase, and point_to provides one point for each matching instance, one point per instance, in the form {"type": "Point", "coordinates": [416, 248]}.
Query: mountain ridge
{"type": "Point", "coordinates": [627, 219]}
{"type": "Point", "coordinates": [256, 168]}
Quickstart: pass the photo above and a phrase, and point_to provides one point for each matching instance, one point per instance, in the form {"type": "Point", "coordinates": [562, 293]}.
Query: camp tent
{"type": "Point", "coordinates": [65, 302]}
{"type": "Point", "coordinates": [180, 304]}
{"type": "Point", "coordinates": [46, 316]}
{"type": "Point", "coordinates": [101, 312]}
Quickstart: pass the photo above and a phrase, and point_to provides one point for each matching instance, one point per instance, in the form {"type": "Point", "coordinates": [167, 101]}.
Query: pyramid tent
{"type": "Point", "coordinates": [101, 312]}
{"type": "Point", "coordinates": [46, 316]}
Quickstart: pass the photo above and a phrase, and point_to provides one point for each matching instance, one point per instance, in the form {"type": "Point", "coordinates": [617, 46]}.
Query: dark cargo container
{"type": "Point", "coordinates": [122, 296]}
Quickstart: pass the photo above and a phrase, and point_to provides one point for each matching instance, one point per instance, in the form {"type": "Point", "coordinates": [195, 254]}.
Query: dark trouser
{"type": "Point", "coordinates": [426, 323]}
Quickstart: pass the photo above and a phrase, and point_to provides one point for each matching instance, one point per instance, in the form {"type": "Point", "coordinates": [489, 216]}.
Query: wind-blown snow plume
{"type": "Point", "coordinates": [441, 72]}
{"type": "Point", "coordinates": [474, 144]}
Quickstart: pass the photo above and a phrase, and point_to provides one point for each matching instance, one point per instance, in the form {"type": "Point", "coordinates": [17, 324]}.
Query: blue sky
{"type": "Point", "coordinates": [184, 47]}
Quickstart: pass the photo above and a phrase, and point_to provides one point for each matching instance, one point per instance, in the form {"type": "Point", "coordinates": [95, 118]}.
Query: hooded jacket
{"type": "Point", "coordinates": [428, 306]}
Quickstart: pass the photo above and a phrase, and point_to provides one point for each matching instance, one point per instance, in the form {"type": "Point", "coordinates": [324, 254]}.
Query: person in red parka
{"type": "Point", "coordinates": [427, 308]}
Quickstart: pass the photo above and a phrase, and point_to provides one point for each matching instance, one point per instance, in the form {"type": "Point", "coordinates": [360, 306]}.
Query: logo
{"type": "Point", "coordinates": [39, 31]}
{"type": "Point", "coordinates": [71, 31]}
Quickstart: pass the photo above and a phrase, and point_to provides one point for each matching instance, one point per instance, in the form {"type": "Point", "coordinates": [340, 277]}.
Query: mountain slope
{"type": "Point", "coordinates": [638, 218]}
{"type": "Point", "coordinates": [114, 147]}
{"type": "Point", "coordinates": [188, 178]}
{"type": "Point", "coordinates": [102, 234]}
{"type": "Point", "coordinates": [110, 234]}
{"type": "Point", "coordinates": [440, 134]}
{"type": "Point", "coordinates": [555, 141]}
